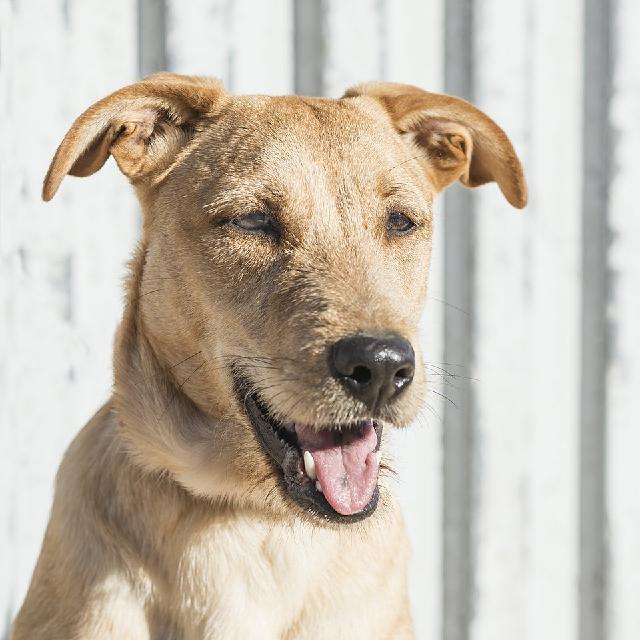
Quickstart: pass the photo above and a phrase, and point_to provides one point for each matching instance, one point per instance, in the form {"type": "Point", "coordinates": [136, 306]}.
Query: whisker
{"type": "Point", "coordinates": [417, 157]}
{"type": "Point", "coordinates": [142, 295]}
{"type": "Point", "coordinates": [448, 304]}
{"type": "Point", "coordinates": [444, 397]}
{"type": "Point", "coordinates": [173, 366]}
{"type": "Point", "coordinates": [448, 373]}
{"type": "Point", "coordinates": [159, 277]}
{"type": "Point", "coordinates": [180, 387]}
{"type": "Point", "coordinates": [433, 412]}
{"type": "Point", "coordinates": [448, 364]}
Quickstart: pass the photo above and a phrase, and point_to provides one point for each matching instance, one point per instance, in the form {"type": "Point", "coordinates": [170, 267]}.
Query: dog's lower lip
{"type": "Point", "coordinates": [281, 444]}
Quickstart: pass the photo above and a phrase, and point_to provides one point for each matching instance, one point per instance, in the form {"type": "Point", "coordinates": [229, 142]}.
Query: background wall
{"type": "Point", "coordinates": [520, 488]}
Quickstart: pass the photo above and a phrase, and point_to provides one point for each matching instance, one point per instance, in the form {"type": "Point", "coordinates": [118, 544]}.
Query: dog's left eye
{"type": "Point", "coordinates": [255, 222]}
{"type": "Point", "coordinates": [398, 224]}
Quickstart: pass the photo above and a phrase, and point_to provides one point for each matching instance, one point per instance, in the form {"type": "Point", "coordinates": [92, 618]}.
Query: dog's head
{"type": "Point", "coordinates": [283, 269]}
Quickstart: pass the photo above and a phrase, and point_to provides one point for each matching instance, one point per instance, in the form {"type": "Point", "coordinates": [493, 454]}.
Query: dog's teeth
{"type": "Point", "coordinates": [309, 465]}
{"type": "Point", "coordinates": [318, 486]}
{"type": "Point", "coordinates": [378, 456]}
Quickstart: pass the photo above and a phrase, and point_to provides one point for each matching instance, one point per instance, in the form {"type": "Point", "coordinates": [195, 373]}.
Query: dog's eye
{"type": "Point", "coordinates": [398, 224]}
{"type": "Point", "coordinates": [255, 222]}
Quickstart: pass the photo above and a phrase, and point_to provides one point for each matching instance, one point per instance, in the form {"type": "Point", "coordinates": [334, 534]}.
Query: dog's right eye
{"type": "Point", "coordinates": [255, 222]}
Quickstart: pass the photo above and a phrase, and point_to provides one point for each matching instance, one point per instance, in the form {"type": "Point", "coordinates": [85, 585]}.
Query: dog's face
{"type": "Point", "coordinates": [286, 250]}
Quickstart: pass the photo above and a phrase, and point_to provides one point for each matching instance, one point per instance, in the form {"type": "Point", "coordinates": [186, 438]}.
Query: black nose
{"type": "Point", "coordinates": [374, 369]}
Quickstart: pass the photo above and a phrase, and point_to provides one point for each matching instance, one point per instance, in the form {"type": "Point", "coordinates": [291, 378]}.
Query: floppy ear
{"type": "Point", "coordinates": [142, 126]}
{"type": "Point", "coordinates": [460, 142]}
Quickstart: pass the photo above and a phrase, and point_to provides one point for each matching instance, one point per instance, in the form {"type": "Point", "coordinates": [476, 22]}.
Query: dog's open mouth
{"type": "Point", "coordinates": [332, 472]}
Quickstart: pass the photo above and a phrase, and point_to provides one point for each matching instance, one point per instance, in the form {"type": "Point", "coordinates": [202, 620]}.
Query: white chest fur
{"type": "Point", "coordinates": [271, 581]}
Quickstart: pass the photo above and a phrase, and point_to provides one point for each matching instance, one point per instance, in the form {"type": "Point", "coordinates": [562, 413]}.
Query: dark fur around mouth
{"type": "Point", "coordinates": [280, 444]}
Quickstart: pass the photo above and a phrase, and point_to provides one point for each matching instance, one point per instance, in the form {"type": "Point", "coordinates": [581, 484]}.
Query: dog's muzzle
{"type": "Point", "coordinates": [331, 472]}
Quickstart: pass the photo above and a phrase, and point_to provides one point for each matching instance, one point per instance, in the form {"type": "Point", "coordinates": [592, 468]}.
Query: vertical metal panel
{"type": "Point", "coordinates": [501, 335]}
{"type": "Point", "coordinates": [554, 284]}
{"type": "Point", "coordinates": [527, 328]}
{"type": "Point", "coordinates": [309, 46]}
{"type": "Point", "coordinates": [263, 39]}
{"type": "Point", "coordinates": [152, 46]}
{"type": "Point", "coordinates": [459, 259]}
{"type": "Point", "coordinates": [351, 59]}
{"type": "Point", "coordinates": [61, 263]}
{"type": "Point", "coordinates": [246, 43]}
{"type": "Point", "coordinates": [623, 380]}
{"type": "Point", "coordinates": [595, 338]}
{"type": "Point", "coordinates": [200, 41]}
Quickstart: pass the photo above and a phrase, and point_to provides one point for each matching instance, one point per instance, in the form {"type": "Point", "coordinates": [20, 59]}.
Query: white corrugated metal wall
{"type": "Point", "coordinates": [521, 494]}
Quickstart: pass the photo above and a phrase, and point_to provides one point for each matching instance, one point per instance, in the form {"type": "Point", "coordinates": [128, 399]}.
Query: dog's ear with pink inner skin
{"type": "Point", "coordinates": [460, 142]}
{"type": "Point", "coordinates": [143, 126]}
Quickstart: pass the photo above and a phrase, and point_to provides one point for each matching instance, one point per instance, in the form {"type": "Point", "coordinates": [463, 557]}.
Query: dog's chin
{"type": "Point", "coordinates": [330, 472]}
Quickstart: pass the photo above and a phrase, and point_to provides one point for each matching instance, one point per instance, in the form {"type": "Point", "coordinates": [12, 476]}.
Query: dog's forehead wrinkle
{"type": "Point", "coordinates": [322, 128]}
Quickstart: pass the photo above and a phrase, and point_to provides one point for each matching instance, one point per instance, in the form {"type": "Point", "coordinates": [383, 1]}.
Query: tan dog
{"type": "Point", "coordinates": [231, 487]}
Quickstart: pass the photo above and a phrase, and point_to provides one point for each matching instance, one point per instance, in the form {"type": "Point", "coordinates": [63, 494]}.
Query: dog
{"type": "Point", "coordinates": [236, 485]}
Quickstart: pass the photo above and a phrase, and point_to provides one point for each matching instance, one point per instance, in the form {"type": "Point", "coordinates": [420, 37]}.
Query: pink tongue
{"type": "Point", "coordinates": [346, 465]}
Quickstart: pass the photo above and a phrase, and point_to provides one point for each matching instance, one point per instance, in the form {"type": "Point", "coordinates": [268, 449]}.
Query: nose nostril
{"type": "Point", "coordinates": [361, 375]}
{"type": "Point", "coordinates": [403, 375]}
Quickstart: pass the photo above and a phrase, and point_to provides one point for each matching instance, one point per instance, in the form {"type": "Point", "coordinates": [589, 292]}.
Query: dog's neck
{"type": "Point", "coordinates": [150, 406]}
